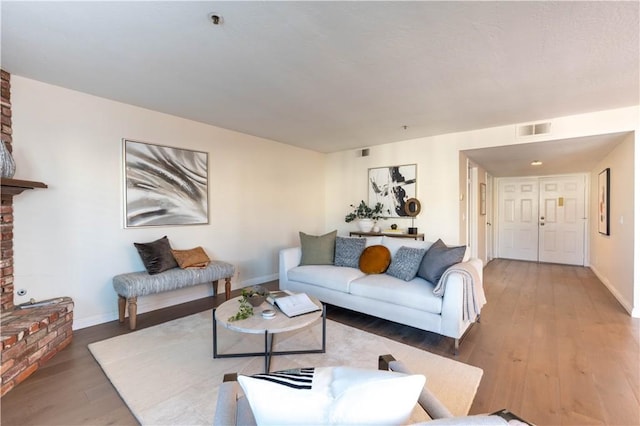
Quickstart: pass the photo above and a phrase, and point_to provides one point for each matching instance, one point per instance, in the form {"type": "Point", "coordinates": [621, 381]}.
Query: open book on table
{"type": "Point", "coordinates": [292, 304]}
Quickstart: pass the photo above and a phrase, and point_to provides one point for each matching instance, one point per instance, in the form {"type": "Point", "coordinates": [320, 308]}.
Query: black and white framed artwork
{"type": "Point", "coordinates": [164, 185]}
{"type": "Point", "coordinates": [392, 186]}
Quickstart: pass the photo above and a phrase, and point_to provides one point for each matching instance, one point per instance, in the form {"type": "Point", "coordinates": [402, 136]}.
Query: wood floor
{"type": "Point", "coordinates": [555, 346]}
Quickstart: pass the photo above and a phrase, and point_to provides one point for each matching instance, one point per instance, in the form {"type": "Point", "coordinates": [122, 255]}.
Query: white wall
{"type": "Point", "coordinates": [439, 187]}
{"type": "Point", "coordinates": [439, 172]}
{"type": "Point", "coordinates": [69, 239]}
{"type": "Point", "coordinates": [612, 256]}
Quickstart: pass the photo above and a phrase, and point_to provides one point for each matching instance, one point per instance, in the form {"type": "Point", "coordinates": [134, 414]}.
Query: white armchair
{"type": "Point", "coordinates": [233, 407]}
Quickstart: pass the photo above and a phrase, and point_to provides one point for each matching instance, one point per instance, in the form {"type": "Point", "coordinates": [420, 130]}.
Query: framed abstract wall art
{"type": "Point", "coordinates": [392, 186]}
{"type": "Point", "coordinates": [164, 186]}
{"type": "Point", "coordinates": [603, 201]}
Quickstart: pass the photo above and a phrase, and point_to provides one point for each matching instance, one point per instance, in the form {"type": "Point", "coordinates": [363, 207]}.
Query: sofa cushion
{"type": "Point", "coordinates": [417, 293]}
{"type": "Point", "coordinates": [348, 251]}
{"type": "Point", "coordinates": [317, 249]}
{"type": "Point", "coordinates": [438, 258]}
{"type": "Point", "coordinates": [373, 241]}
{"type": "Point", "coordinates": [338, 395]}
{"type": "Point", "coordinates": [156, 255]}
{"type": "Point", "coordinates": [374, 259]}
{"type": "Point", "coordinates": [406, 262]}
{"type": "Point", "coordinates": [332, 277]}
{"type": "Point", "coordinates": [394, 244]}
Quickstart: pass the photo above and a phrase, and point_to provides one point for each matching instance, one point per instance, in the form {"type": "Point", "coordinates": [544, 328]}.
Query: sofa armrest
{"type": "Point", "coordinates": [427, 400]}
{"type": "Point", "coordinates": [232, 408]}
{"type": "Point", "coordinates": [227, 405]}
{"type": "Point", "coordinates": [289, 258]}
{"type": "Point", "coordinates": [453, 324]}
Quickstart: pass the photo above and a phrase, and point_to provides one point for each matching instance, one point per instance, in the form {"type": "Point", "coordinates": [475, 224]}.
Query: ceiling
{"type": "Point", "coordinates": [576, 155]}
{"type": "Point", "coordinates": [331, 76]}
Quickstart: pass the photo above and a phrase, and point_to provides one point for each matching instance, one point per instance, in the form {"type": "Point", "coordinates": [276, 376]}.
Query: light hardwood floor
{"type": "Point", "coordinates": [554, 344]}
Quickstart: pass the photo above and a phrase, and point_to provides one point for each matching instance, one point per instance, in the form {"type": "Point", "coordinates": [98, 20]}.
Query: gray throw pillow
{"type": "Point", "coordinates": [156, 255]}
{"type": "Point", "coordinates": [405, 263]}
{"type": "Point", "coordinates": [348, 251]}
{"type": "Point", "coordinates": [317, 249]}
{"type": "Point", "coordinates": [438, 259]}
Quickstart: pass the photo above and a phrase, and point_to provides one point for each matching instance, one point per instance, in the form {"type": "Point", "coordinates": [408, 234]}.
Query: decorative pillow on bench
{"type": "Point", "coordinates": [192, 258]}
{"type": "Point", "coordinates": [156, 255]}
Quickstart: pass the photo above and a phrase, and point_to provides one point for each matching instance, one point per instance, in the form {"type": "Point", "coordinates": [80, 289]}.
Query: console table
{"type": "Point", "coordinates": [387, 234]}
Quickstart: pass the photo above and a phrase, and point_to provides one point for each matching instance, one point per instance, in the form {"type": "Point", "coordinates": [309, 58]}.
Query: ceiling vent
{"type": "Point", "coordinates": [533, 129]}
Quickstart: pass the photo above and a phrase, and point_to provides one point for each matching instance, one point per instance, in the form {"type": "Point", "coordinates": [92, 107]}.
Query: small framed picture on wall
{"type": "Point", "coordinates": [603, 201]}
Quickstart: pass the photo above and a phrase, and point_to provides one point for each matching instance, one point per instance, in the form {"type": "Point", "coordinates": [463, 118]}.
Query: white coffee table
{"type": "Point", "coordinates": [256, 324]}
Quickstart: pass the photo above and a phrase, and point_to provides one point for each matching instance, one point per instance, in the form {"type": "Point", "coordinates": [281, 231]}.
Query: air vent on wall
{"type": "Point", "coordinates": [362, 152]}
{"type": "Point", "coordinates": [533, 129]}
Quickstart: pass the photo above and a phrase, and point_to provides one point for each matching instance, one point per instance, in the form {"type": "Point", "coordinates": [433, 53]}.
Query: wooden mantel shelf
{"type": "Point", "coordinates": [11, 187]}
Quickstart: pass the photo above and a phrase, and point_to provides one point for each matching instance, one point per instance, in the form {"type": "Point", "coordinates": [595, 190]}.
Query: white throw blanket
{"type": "Point", "coordinates": [473, 297]}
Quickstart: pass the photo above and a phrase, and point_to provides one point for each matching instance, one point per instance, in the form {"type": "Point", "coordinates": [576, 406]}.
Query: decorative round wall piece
{"type": "Point", "coordinates": [412, 207]}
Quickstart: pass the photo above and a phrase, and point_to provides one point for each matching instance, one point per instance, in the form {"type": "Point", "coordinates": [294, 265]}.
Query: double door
{"type": "Point", "coordinates": [542, 219]}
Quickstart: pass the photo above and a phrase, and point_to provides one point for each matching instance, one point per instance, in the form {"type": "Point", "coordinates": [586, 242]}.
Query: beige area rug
{"type": "Point", "coordinates": [167, 375]}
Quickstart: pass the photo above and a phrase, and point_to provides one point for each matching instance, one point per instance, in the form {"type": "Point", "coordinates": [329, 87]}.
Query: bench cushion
{"type": "Point", "coordinates": [141, 283]}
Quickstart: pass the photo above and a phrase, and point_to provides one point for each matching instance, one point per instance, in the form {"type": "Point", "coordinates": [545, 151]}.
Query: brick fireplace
{"type": "Point", "coordinates": [34, 334]}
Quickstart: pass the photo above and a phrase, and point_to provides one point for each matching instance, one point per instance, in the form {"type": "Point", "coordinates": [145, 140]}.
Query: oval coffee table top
{"type": "Point", "coordinates": [256, 324]}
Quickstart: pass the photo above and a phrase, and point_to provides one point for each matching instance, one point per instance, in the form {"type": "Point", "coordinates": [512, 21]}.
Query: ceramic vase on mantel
{"type": "Point", "coordinates": [365, 225]}
{"type": "Point", "coordinates": [7, 165]}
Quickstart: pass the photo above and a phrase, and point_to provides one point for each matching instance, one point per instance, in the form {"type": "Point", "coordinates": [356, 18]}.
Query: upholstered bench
{"type": "Point", "coordinates": [131, 285]}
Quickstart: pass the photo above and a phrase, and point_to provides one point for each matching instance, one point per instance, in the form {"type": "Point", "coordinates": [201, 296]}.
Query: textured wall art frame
{"type": "Point", "coordinates": [603, 201]}
{"type": "Point", "coordinates": [392, 186]}
{"type": "Point", "coordinates": [164, 186]}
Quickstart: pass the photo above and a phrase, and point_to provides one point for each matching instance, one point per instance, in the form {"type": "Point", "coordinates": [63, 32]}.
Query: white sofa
{"type": "Point", "coordinates": [381, 295]}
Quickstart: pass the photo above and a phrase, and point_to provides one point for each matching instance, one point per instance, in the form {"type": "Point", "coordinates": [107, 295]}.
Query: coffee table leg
{"type": "Point", "coordinates": [324, 328]}
{"type": "Point", "coordinates": [215, 335]}
{"type": "Point", "coordinates": [268, 350]}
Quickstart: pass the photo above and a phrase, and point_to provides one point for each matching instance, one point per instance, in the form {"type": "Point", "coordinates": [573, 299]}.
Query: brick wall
{"type": "Point", "coordinates": [29, 337]}
{"type": "Point", "coordinates": [6, 205]}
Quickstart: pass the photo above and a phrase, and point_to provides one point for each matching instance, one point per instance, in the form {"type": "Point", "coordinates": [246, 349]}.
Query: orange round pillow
{"type": "Point", "coordinates": [375, 259]}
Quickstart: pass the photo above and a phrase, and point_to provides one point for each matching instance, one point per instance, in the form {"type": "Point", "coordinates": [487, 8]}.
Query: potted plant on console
{"type": "Point", "coordinates": [365, 215]}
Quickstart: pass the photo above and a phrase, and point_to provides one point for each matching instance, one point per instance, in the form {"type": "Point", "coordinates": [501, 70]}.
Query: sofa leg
{"type": "Point", "coordinates": [133, 309]}
{"type": "Point", "coordinates": [122, 304]}
{"type": "Point", "coordinates": [215, 287]}
{"type": "Point", "coordinates": [478, 318]}
{"type": "Point", "coordinates": [456, 346]}
{"type": "Point", "coordinates": [384, 361]}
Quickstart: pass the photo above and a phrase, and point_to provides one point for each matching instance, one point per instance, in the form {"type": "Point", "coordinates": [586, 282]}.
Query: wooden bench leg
{"type": "Point", "coordinates": [227, 288]}
{"type": "Point", "coordinates": [133, 309]}
{"type": "Point", "coordinates": [122, 304]}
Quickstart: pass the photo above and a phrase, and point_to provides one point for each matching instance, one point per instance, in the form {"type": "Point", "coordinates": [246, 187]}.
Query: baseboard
{"type": "Point", "coordinates": [624, 303]}
{"type": "Point", "coordinates": [171, 298]}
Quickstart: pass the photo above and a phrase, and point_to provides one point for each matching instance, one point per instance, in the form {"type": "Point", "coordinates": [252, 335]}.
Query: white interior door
{"type": "Point", "coordinates": [562, 220]}
{"type": "Point", "coordinates": [518, 218]}
{"type": "Point", "coordinates": [542, 219]}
